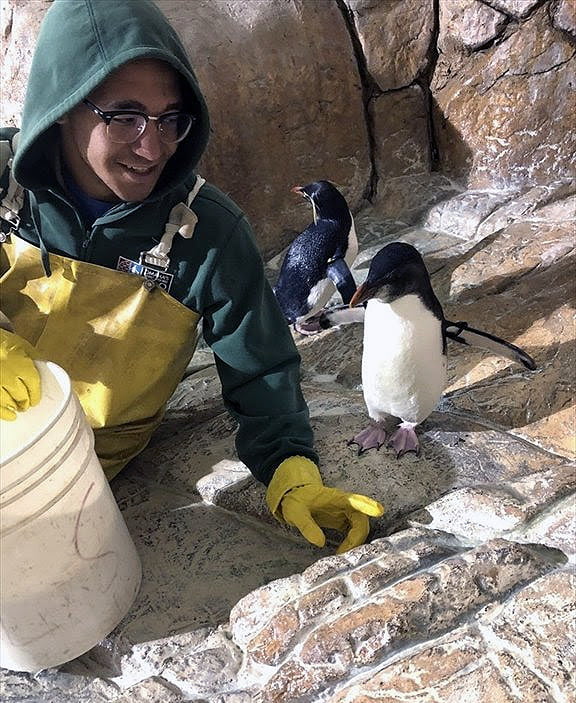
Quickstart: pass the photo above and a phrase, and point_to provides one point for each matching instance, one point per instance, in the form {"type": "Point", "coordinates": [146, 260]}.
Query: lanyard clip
{"type": "Point", "coordinates": [157, 260]}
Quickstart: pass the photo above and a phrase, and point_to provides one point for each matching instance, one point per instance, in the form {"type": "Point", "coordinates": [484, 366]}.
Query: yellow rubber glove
{"type": "Point", "coordinates": [297, 496]}
{"type": "Point", "coordinates": [19, 378]}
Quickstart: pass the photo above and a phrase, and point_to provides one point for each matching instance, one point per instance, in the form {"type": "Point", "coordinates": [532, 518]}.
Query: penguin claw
{"type": "Point", "coordinates": [404, 440]}
{"type": "Point", "coordinates": [371, 437]}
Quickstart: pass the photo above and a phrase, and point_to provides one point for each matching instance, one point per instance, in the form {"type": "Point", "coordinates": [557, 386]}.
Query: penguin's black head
{"type": "Point", "coordinates": [395, 271]}
{"type": "Point", "coordinates": [326, 199]}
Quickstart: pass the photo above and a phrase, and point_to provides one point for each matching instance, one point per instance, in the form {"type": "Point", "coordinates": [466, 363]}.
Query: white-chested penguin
{"type": "Point", "coordinates": [318, 261]}
{"type": "Point", "coordinates": [404, 351]}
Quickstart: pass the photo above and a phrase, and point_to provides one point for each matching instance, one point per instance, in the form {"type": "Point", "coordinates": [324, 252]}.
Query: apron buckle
{"type": "Point", "coordinates": [157, 260]}
{"type": "Point", "coordinates": [11, 217]}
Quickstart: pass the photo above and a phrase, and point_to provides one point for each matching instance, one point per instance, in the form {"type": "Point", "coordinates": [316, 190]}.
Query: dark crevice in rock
{"type": "Point", "coordinates": [565, 34]}
{"type": "Point", "coordinates": [524, 74]}
{"type": "Point", "coordinates": [511, 26]}
{"type": "Point", "coordinates": [9, 23]}
{"type": "Point", "coordinates": [553, 10]}
{"type": "Point", "coordinates": [496, 40]}
{"type": "Point", "coordinates": [370, 91]}
{"type": "Point", "coordinates": [424, 80]}
{"type": "Point", "coordinates": [511, 15]}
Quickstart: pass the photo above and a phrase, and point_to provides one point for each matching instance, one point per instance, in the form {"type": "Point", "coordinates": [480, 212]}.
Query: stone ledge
{"type": "Point", "coordinates": [489, 659]}
{"type": "Point", "coordinates": [413, 609]}
{"type": "Point", "coordinates": [520, 510]}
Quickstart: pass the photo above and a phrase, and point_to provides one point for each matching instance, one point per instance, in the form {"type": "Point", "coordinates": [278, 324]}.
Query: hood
{"type": "Point", "coordinates": [81, 42]}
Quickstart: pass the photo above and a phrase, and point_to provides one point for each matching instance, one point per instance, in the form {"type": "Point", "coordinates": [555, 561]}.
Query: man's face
{"type": "Point", "coordinates": [109, 171]}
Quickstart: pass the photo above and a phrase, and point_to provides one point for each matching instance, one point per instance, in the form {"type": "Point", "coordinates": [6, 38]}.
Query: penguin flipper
{"type": "Point", "coordinates": [339, 273]}
{"type": "Point", "coordinates": [463, 333]}
{"type": "Point", "coordinates": [341, 315]}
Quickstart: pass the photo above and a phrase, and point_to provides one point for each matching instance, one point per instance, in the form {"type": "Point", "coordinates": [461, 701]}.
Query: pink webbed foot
{"type": "Point", "coordinates": [372, 437]}
{"type": "Point", "coordinates": [404, 440]}
{"type": "Point", "coordinates": [309, 326]}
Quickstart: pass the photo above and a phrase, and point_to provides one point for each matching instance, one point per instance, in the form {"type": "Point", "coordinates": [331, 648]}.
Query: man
{"type": "Point", "coordinates": [119, 249]}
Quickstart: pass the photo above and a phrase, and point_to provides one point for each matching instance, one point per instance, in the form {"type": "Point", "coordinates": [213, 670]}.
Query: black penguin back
{"type": "Point", "coordinates": [307, 259]}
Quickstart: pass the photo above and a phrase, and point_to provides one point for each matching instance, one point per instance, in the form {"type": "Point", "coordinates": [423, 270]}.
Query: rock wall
{"type": "Point", "coordinates": [503, 92]}
{"type": "Point", "coordinates": [367, 93]}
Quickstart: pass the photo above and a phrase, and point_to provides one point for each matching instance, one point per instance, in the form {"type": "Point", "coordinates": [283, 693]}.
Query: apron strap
{"type": "Point", "coordinates": [13, 200]}
{"type": "Point", "coordinates": [182, 220]}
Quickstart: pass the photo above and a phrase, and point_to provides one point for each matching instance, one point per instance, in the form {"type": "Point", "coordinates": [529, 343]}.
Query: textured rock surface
{"type": "Point", "coordinates": [395, 37]}
{"type": "Point", "coordinates": [515, 8]}
{"type": "Point", "coordinates": [370, 93]}
{"type": "Point", "coordinates": [20, 21]}
{"type": "Point", "coordinates": [469, 24]}
{"type": "Point", "coordinates": [501, 113]}
{"type": "Point", "coordinates": [410, 611]}
{"type": "Point", "coordinates": [564, 16]}
{"type": "Point", "coordinates": [464, 592]}
{"type": "Point", "coordinates": [401, 147]}
{"type": "Point", "coordinates": [286, 84]}
{"type": "Point", "coordinates": [482, 662]}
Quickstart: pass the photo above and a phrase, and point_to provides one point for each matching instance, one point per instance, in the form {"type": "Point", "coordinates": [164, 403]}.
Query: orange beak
{"type": "Point", "coordinates": [363, 293]}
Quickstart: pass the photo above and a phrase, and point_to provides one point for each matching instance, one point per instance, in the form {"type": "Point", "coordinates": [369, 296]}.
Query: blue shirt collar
{"type": "Point", "coordinates": [90, 208]}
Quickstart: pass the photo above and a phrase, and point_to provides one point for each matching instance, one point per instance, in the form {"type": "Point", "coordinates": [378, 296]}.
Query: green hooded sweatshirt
{"type": "Point", "coordinates": [218, 273]}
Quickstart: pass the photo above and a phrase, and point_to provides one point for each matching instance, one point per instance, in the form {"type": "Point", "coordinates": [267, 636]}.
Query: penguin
{"type": "Point", "coordinates": [318, 261]}
{"type": "Point", "coordinates": [404, 349]}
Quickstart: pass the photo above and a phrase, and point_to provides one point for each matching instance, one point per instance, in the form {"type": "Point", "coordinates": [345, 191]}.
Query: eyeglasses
{"type": "Point", "coordinates": [126, 126]}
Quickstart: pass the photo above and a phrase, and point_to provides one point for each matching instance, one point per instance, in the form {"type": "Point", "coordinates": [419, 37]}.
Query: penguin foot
{"type": "Point", "coordinates": [404, 440]}
{"type": "Point", "coordinates": [371, 437]}
{"type": "Point", "coordinates": [309, 326]}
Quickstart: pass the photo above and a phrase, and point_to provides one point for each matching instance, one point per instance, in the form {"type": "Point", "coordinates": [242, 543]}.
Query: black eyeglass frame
{"type": "Point", "coordinates": [108, 116]}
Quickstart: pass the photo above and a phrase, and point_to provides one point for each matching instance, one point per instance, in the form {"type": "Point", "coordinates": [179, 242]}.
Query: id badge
{"type": "Point", "coordinates": [161, 279]}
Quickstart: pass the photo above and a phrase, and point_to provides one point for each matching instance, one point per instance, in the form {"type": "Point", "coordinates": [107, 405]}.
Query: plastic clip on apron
{"type": "Point", "coordinates": [123, 340]}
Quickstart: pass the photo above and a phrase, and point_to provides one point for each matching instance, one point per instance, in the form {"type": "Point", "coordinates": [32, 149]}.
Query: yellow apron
{"type": "Point", "coordinates": [123, 340]}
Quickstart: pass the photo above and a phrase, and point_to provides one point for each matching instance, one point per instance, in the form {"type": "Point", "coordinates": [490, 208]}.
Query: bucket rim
{"type": "Point", "coordinates": [63, 380]}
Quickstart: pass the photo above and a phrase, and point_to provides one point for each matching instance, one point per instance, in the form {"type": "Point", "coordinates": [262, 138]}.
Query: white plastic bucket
{"type": "Point", "coordinates": [69, 570]}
